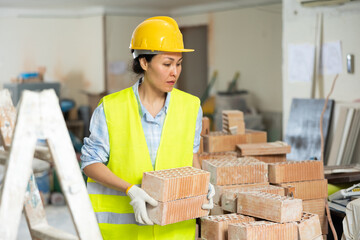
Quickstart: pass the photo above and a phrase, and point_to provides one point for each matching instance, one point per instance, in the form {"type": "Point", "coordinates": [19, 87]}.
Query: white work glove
{"type": "Point", "coordinates": [139, 198]}
{"type": "Point", "coordinates": [210, 195]}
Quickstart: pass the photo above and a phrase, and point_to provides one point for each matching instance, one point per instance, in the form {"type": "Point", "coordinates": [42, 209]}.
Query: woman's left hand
{"type": "Point", "coordinates": [210, 195]}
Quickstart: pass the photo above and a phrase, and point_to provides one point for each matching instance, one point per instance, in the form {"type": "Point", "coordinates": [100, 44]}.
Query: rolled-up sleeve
{"type": "Point", "coordinates": [198, 131]}
{"type": "Point", "coordinates": [96, 147]}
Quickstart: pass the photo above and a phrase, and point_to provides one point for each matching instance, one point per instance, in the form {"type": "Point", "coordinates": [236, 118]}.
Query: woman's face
{"type": "Point", "coordinates": [163, 71]}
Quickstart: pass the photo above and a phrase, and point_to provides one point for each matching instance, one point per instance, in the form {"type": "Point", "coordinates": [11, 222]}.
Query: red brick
{"type": "Point", "coordinates": [217, 210]}
{"type": "Point", "coordinates": [229, 197]}
{"type": "Point", "coordinates": [221, 142]}
{"type": "Point", "coordinates": [268, 148]}
{"type": "Point", "coordinates": [294, 171]}
{"type": "Point", "coordinates": [216, 155]}
{"type": "Point", "coordinates": [307, 190]}
{"type": "Point", "coordinates": [317, 206]}
{"type": "Point", "coordinates": [270, 158]}
{"type": "Point", "coordinates": [178, 210]}
{"type": "Point", "coordinates": [205, 126]}
{"type": "Point", "coordinates": [216, 227]}
{"type": "Point", "coordinates": [176, 183]}
{"type": "Point", "coordinates": [309, 227]}
{"type": "Point", "coordinates": [236, 171]}
{"type": "Point", "coordinates": [233, 122]}
{"type": "Point", "coordinates": [263, 230]}
{"type": "Point", "coordinates": [269, 206]}
{"type": "Point", "coordinates": [219, 190]}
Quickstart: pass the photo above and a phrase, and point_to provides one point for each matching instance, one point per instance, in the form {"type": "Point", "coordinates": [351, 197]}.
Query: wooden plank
{"type": "Point", "coordinates": [67, 167]}
{"type": "Point", "coordinates": [7, 118]}
{"type": "Point", "coordinates": [36, 217]}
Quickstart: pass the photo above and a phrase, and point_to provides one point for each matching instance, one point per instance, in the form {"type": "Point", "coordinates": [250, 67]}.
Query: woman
{"type": "Point", "coordinates": [149, 126]}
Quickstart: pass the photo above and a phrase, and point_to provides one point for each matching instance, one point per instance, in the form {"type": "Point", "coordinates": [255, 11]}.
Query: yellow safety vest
{"type": "Point", "coordinates": [129, 159]}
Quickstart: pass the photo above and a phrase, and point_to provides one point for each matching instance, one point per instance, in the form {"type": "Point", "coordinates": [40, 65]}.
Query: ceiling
{"type": "Point", "coordinates": [131, 6]}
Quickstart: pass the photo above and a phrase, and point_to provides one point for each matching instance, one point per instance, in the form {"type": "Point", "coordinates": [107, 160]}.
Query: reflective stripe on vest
{"type": "Point", "coordinates": [116, 218]}
{"type": "Point", "coordinates": [97, 188]}
{"type": "Point", "coordinates": [129, 159]}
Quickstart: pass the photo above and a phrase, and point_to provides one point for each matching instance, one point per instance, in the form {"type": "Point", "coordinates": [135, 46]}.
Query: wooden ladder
{"type": "Point", "coordinates": [39, 117]}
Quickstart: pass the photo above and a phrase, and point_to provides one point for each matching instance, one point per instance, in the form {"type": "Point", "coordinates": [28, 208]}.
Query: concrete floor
{"type": "Point", "coordinates": [57, 216]}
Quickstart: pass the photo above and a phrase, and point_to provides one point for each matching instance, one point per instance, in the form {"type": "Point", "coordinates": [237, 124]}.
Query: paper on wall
{"type": "Point", "coordinates": [117, 67]}
{"type": "Point", "coordinates": [331, 58]}
{"type": "Point", "coordinates": [301, 62]}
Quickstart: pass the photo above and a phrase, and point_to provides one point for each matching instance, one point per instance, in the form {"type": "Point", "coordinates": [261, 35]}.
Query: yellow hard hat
{"type": "Point", "coordinates": [158, 34]}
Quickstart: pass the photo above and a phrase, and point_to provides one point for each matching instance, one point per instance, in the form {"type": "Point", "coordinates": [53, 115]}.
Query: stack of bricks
{"type": "Point", "coordinates": [221, 142]}
{"type": "Point", "coordinates": [307, 177]}
{"type": "Point", "coordinates": [263, 230]}
{"type": "Point", "coordinates": [180, 192]}
{"type": "Point", "coordinates": [233, 122]}
{"type": "Point", "coordinates": [230, 197]}
{"type": "Point", "coordinates": [230, 172]}
{"type": "Point", "coordinates": [233, 133]}
{"type": "Point", "coordinates": [216, 155]}
{"type": "Point", "coordinates": [216, 227]}
{"type": "Point", "coordinates": [267, 152]}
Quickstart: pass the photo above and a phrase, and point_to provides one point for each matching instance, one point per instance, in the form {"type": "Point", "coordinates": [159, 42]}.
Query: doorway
{"type": "Point", "coordinates": [194, 75]}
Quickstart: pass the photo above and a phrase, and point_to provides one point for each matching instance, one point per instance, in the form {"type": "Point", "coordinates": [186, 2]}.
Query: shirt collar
{"type": "Point", "coordinates": [142, 109]}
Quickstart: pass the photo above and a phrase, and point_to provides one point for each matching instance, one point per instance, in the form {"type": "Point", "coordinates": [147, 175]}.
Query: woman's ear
{"type": "Point", "coordinates": [143, 63]}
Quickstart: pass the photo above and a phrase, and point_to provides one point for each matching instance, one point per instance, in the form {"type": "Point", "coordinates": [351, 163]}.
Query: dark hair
{"type": "Point", "coordinates": [136, 67]}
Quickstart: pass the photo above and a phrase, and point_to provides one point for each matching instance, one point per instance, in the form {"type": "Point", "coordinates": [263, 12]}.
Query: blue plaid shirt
{"type": "Point", "coordinates": [96, 147]}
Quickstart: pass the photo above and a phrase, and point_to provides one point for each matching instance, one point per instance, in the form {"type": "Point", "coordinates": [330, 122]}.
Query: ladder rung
{"type": "Point", "coordinates": [50, 233]}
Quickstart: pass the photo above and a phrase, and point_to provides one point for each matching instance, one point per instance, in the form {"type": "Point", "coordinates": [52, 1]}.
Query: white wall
{"type": "Point", "coordinates": [246, 40]}
{"type": "Point", "coordinates": [118, 35]}
{"type": "Point", "coordinates": [71, 49]}
{"type": "Point", "coordinates": [339, 23]}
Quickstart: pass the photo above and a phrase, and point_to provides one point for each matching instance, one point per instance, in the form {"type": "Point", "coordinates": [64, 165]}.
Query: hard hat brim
{"type": "Point", "coordinates": [165, 50]}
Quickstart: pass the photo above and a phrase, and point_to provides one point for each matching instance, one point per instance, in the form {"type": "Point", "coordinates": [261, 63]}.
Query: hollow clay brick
{"type": "Point", "coordinates": [205, 126]}
{"type": "Point", "coordinates": [178, 210]}
{"type": "Point", "coordinates": [219, 190]}
{"type": "Point", "coordinates": [294, 171]}
{"type": "Point", "coordinates": [236, 171]}
{"type": "Point", "coordinates": [216, 227]}
{"type": "Point", "coordinates": [216, 155]}
{"type": "Point", "coordinates": [268, 148]}
{"type": "Point", "coordinates": [262, 230]}
{"type": "Point", "coordinates": [307, 190]}
{"type": "Point", "coordinates": [217, 210]}
{"type": "Point", "coordinates": [309, 226]}
{"type": "Point", "coordinates": [221, 142]}
{"type": "Point", "coordinates": [270, 158]}
{"type": "Point", "coordinates": [176, 183]}
{"type": "Point", "coordinates": [229, 197]}
{"type": "Point", "coordinates": [317, 206]}
{"type": "Point", "coordinates": [233, 122]}
{"type": "Point", "coordinates": [269, 206]}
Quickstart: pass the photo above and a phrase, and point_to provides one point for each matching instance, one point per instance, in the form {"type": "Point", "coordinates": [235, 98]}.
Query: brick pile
{"type": "Point", "coordinates": [233, 122]}
{"type": "Point", "coordinates": [216, 155]}
{"type": "Point", "coordinates": [307, 177]}
{"type": "Point", "coordinates": [216, 227]}
{"type": "Point", "coordinates": [180, 191]}
{"type": "Point", "coordinates": [261, 230]}
{"type": "Point", "coordinates": [220, 142]}
{"type": "Point", "coordinates": [230, 197]}
{"type": "Point", "coordinates": [267, 152]}
{"type": "Point", "coordinates": [227, 171]}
